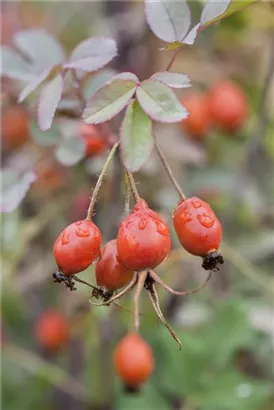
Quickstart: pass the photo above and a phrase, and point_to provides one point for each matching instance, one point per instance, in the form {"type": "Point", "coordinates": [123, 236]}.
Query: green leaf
{"type": "Point", "coordinates": [70, 151]}
{"type": "Point", "coordinates": [45, 138]}
{"type": "Point", "coordinates": [178, 373]}
{"type": "Point", "coordinates": [41, 47]}
{"type": "Point", "coordinates": [173, 80]}
{"type": "Point", "coordinates": [169, 20]}
{"type": "Point", "coordinates": [49, 99]}
{"type": "Point", "coordinates": [230, 391]}
{"type": "Point", "coordinates": [136, 137]}
{"type": "Point", "coordinates": [148, 399]}
{"type": "Point", "coordinates": [213, 9]}
{"type": "Point", "coordinates": [110, 99]}
{"type": "Point", "coordinates": [15, 186]}
{"type": "Point", "coordinates": [13, 65]}
{"type": "Point", "coordinates": [172, 46]}
{"type": "Point", "coordinates": [92, 54]}
{"type": "Point", "coordinates": [34, 84]}
{"type": "Point", "coordinates": [97, 81]}
{"type": "Point", "coordinates": [230, 320]}
{"type": "Point", "coordinates": [159, 102]}
{"type": "Point", "coordinates": [234, 7]}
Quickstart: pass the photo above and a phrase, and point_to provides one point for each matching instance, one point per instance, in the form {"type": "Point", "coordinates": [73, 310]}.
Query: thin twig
{"type": "Point", "coordinates": [169, 172]}
{"type": "Point", "coordinates": [173, 58]}
{"type": "Point", "coordinates": [83, 282]}
{"type": "Point", "coordinates": [140, 284]}
{"type": "Point", "coordinates": [133, 186]}
{"type": "Point", "coordinates": [120, 294]}
{"type": "Point", "coordinates": [155, 302]}
{"type": "Point", "coordinates": [127, 195]}
{"type": "Point", "coordinates": [175, 292]}
{"type": "Point", "coordinates": [100, 180]}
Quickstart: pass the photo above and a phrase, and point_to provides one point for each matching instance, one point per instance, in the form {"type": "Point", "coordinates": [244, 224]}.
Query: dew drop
{"type": "Point", "coordinates": [82, 233]}
{"type": "Point", "coordinates": [65, 238]}
{"type": "Point", "coordinates": [185, 217]}
{"type": "Point", "coordinates": [78, 223]}
{"type": "Point", "coordinates": [206, 220]}
{"type": "Point", "coordinates": [162, 229]}
{"type": "Point", "coordinates": [143, 223]}
{"type": "Point", "coordinates": [196, 203]}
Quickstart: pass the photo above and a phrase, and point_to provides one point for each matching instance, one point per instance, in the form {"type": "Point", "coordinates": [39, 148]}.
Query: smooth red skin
{"type": "Point", "coordinates": [110, 272]}
{"type": "Point", "coordinates": [77, 246]}
{"type": "Point", "coordinates": [140, 243]}
{"type": "Point", "coordinates": [198, 121]}
{"type": "Point", "coordinates": [228, 105]}
{"type": "Point", "coordinates": [14, 127]}
{"type": "Point", "coordinates": [52, 330]}
{"type": "Point", "coordinates": [197, 238]}
{"type": "Point", "coordinates": [133, 360]}
{"type": "Point", "coordinates": [95, 144]}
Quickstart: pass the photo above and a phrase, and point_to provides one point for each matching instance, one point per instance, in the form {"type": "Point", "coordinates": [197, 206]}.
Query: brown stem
{"type": "Point", "coordinates": [120, 294]}
{"type": "Point", "coordinates": [124, 308]}
{"type": "Point", "coordinates": [169, 172]}
{"type": "Point", "coordinates": [156, 278]}
{"type": "Point", "coordinates": [173, 59]}
{"type": "Point", "coordinates": [132, 186]}
{"type": "Point", "coordinates": [100, 180]}
{"type": "Point", "coordinates": [140, 284]}
{"type": "Point", "coordinates": [127, 195]}
{"type": "Point", "coordinates": [155, 302]}
{"type": "Point", "coordinates": [84, 282]}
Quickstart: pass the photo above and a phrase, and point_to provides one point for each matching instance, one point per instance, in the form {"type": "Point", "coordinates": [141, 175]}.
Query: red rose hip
{"type": "Point", "coordinates": [143, 239]}
{"type": "Point", "coordinates": [110, 272]}
{"type": "Point", "coordinates": [95, 145]}
{"type": "Point", "coordinates": [52, 330]}
{"type": "Point", "coordinates": [228, 105]}
{"type": "Point", "coordinates": [77, 246]}
{"type": "Point", "coordinates": [133, 361]}
{"type": "Point", "coordinates": [198, 121]}
{"type": "Point", "coordinates": [199, 230]}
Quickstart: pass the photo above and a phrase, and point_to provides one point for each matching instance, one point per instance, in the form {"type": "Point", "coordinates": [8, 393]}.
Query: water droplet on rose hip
{"type": "Point", "coordinates": [65, 238]}
{"type": "Point", "coordinates": [185, 217]}
{"type": "Point", "coordinates": [162, 229]}
{"type": "Point", "coordinates": [143, 223]}
{"type": "Point", "coordinates": [196, 203]}
{"type": "Point", "coordinates": [78, 223]}
{"type": "Point", "coordinates": [82, 233]}
{"type": "Point", "coordinates": [206, 220]}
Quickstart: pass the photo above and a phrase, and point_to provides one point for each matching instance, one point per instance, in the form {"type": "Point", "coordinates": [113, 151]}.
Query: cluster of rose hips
{"type": "Point", "coordinates": [143, 242]}
{"type": "Point", "coordinates": [224, 106]}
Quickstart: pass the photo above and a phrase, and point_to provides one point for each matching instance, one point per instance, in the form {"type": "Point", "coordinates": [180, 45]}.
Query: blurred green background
{"type": "Point", "coordinates": [226, 362]}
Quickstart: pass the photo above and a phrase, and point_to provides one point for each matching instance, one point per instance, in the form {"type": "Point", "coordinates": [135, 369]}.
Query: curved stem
{"type": "Point", "coordinates": [100, 180]}
{"type": "Point", "coordinates": [120, 294]}
{"type": "Point", "coordinates": [169, 172]}
{"type": "Point", "coordinates": [84, 282]}
{"type": "Point", "coordinates": [140, 284]}
{"type": "Point", "coordinates": [173, 59]}
{"type": "Point", "coordinates": [127, 195]}
{"type": "Point", "coordinates": [124, 308]}
{"type": "Point", "coordinates": [156, 278]}
{"type": "Point", "coordinates": [133, 186]}
{"type": "Point", "coordinates": [155, 302]}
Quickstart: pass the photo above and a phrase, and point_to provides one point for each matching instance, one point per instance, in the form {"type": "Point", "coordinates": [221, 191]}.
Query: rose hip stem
{"type": "Point", "coordinates": [132, 186]}
{"type": "Point", "coordinates": [169, 172]}
{"type": "Point", "coordinates": [100, 180]}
